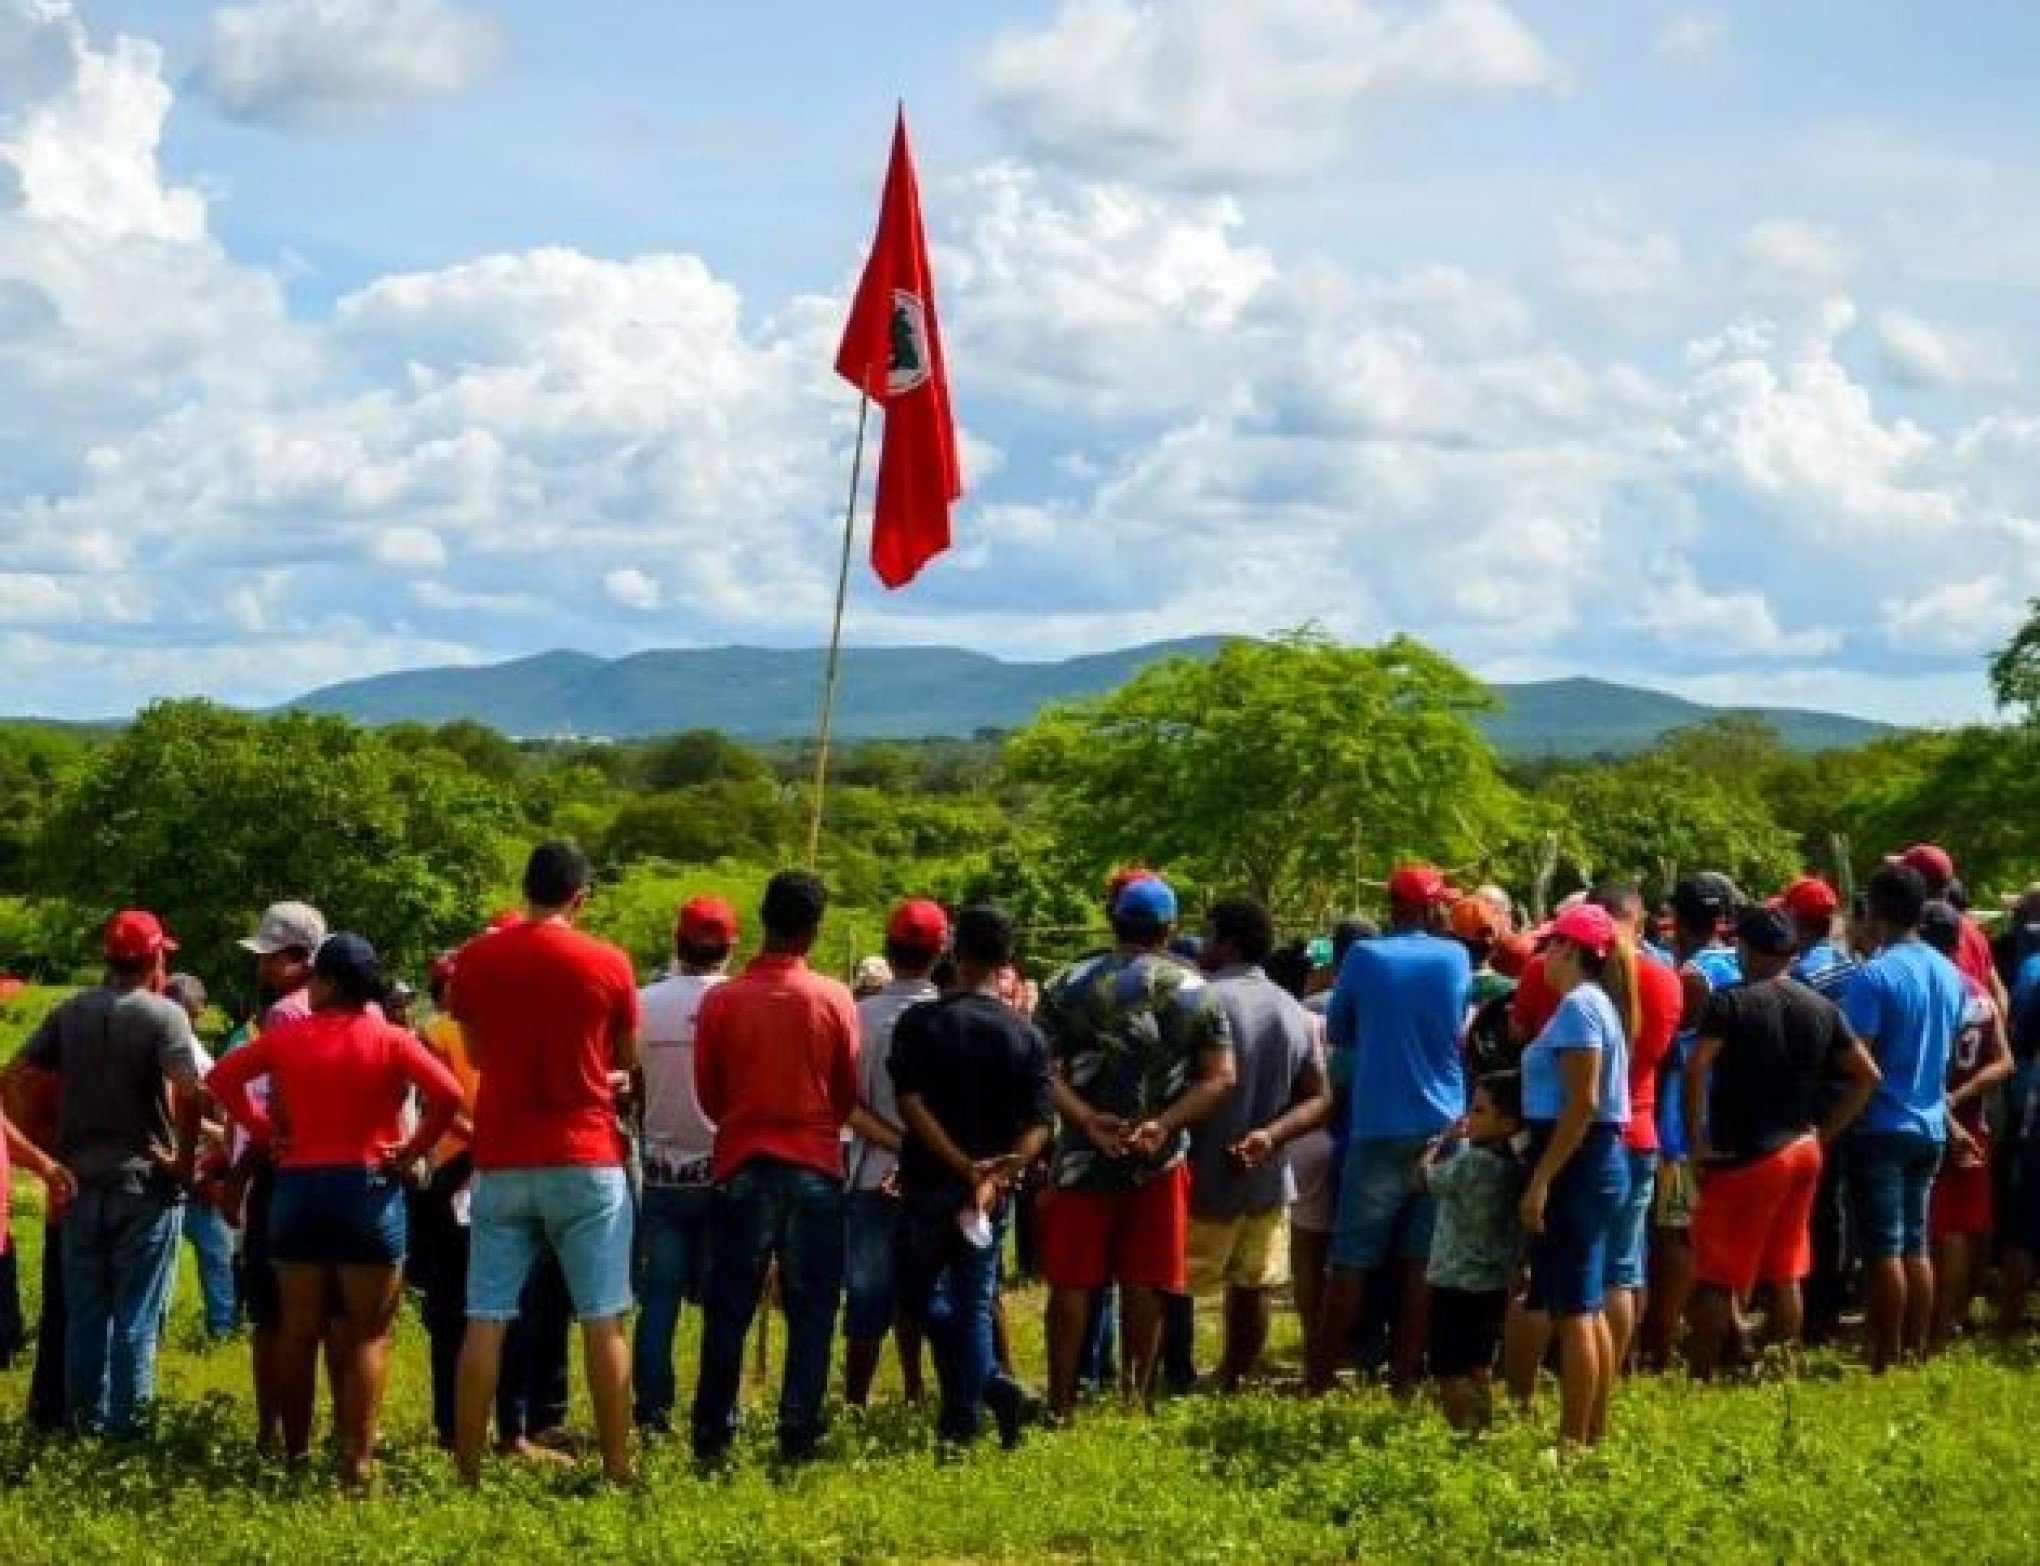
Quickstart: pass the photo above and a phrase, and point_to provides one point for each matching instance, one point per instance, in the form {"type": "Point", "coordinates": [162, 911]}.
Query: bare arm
{"type": "Point", "coordinates": [875, 1128]}
{"type": "Point", "coordinates": [1310, 1109]}
{"type": "Point", "coordinates": [1582, 1071]}
{"type": "Point", "coordinates": [1693, 1097]}
{"type": "Point", "coordinates": [1860, 1078]}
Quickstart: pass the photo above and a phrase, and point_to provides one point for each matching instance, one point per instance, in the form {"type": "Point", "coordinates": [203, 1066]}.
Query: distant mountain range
{"type": "Point", "coordinates": [763, 693]}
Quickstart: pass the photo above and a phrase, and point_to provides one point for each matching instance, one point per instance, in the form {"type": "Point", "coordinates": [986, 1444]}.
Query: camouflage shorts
{"type": "Point", "coordinates": [1677, 1194]}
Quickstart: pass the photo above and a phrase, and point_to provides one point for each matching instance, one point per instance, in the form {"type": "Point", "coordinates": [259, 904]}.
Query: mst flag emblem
{"type": "Point", "coordinates": [892, 352]}
{"type": "Point", "coordinates": [909, 367]}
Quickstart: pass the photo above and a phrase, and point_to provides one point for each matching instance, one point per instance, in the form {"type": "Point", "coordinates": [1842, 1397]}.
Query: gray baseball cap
{"type": "Point", "coordinates": [285, 926]}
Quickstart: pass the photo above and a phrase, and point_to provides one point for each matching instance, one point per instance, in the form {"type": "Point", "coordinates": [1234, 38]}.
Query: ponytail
{"type": "Point", "coordinates": [1616, 974]}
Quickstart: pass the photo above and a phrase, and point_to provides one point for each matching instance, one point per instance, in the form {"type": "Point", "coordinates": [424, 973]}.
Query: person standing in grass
{"type": "Point", "coordinates": [1142, 1051]}
{"type": "Point", "coordinates": [127, 1118]}
{"type": "Point", "coordinates": [1398, 1013]}
{"type": "Point", "coordinates": [205, 1227]}
{"type": "Point", "coordinates": [339, 1082]}
{"type": "Point", "coordinates": [915, 938]}
{"type": "Point", "coordinates": [1961, 1216]}
{"type": "Point", "coordinates": [1239, 1173]}
{"type": "Point", "coordinates": [1477, 1181]}
{"type": "Point", "coordinates": [971, 1078]}
{"type": "Point", "coordinates": [1906, 1004]}
{"type": "Point", "coordinates": [285, 938]}
{"type": "Point", "coordinates": [1576, 1104]}
{"type": "Point", "coordinates": [1824, 966]}
{"type": "Point", "coordinates": [679, 1142]}
{"type": "Point", "coordinates": [775, 1069]}
{"type": "Point", "coordinates": [1760, 1104]}
{"type": "Point", "coordinates": [550, 1016]}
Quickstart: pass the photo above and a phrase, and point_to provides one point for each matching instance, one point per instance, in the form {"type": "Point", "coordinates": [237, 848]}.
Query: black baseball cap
{"type": "Point", "coordinates": [1706, 899]}
{"type": "Point", "coordinates": [349, 962]}
{"type": "Point", "coordinates": [1767, 930]}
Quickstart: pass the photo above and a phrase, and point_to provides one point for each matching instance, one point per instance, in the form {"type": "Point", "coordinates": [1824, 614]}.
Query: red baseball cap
{"type": "Point", "coordinates": [1419, 886]}
{"type": "Point", "coordinates": [442, 969]}
{"type": "Point", "coordinates": [1935, 864]}
{"type": "Point", "coordinates": [919, 923]}
{"type": "Point", "coordinates": [1512, 955]}
{"type": "Point", "coordinates": [1124, 877]}
{"type": "Point", "coordinates": [504, 919]}
{"type": "Point", "coordinates": [136, 935]}
{"type": "Point", "coordinates": [1586, 925]}
{"type": "Point", "coordinates": [1810, 897]}
{"type": "Point", "coordinates": [707, 920]}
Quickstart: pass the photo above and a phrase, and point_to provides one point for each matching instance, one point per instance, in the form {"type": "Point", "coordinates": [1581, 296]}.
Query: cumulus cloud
{"type": "Point", "coordinates": [1920, 355]}
{"type": "Point", "coordinates": [303, 64]}
{"type": "Point", "coordinates": [1209, 93]}
{"type": "Point", "coordinates": [632, 588]}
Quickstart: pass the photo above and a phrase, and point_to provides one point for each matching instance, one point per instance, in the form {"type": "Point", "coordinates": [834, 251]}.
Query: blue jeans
{"type": "Point", "coordinates": [1628, 1263]}
{"type": "Point", "coordinates": [1569, 1260]}
{"type": "Point", "coordinates": [581, 1214]}
{"type": "Point", "coordinates": [871, 1225]}
{"type": "Point", "coordinates": [1382, 1207]}
{"type": "Point", "coordinates": [949, 1286]}
{"type": "Point", "coordinates": [212, 1244]}
{"type": "Point", "coordinates": [769, 1208]}
{"type": "Point", "coordinates": [1891, 1178]}
{"type": "Point", "coordinates": [120, 1252]}
{"type": "Point", "coordinates": [672, 1262]}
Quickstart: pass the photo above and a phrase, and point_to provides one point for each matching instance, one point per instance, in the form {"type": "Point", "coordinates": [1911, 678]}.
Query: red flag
{"type": "Point", "coordinates": [892, 350]}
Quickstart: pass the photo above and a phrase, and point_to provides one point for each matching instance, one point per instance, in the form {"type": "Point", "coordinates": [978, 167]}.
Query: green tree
{"type": "Point", "coordinates": [206, 815]}
{"type": "Point", "coordinates": [699, 756]}
{"type": "Point", "coordinates": [1288, 768]}
{"type": "Point", "coordinates": [1657, 820]}
{"type": "Point", "coordinates": [2015, 667]}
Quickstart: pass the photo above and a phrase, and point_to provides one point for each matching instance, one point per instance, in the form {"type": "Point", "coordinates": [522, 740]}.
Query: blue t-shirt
{"type": "Point", "coordinates": [1906, 1004]}
{"type": "Point", "coordinates": [1585, 1019]}
{"type": "Point", "coordinates": [1722, 970]}
{"type": "Point", "coordinates": [1400, 1006]}
{"type": "Point", "coordinates": [1826, 968]}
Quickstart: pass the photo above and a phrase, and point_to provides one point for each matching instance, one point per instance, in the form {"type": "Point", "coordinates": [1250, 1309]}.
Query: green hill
{"type": "Point", "coordinates": [762, 693]}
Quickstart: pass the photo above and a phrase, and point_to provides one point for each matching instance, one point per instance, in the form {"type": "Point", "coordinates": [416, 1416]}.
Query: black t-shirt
{"type": "Point", "coordinates": [982, 1071]}
{"type": "Point", "coordinates": [1780, 1048]}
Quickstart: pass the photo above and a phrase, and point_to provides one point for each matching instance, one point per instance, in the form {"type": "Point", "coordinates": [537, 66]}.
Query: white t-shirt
{"type": "Point", "coordinates": [869, 1164]}
{"type": "Point", "coordinates": [678, 1136]}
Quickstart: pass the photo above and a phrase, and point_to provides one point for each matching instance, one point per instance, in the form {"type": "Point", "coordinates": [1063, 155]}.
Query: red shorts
{"type": "Point", "coordinates": [1135, 1238]}
{"type": "Point", "coordinates": [1961, 1202]}
{"type": "Point", "coordinates": [1751, 1225]}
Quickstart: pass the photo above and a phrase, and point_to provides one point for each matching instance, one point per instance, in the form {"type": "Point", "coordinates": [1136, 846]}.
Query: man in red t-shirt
{"type": "Point", "coordinates": [775, 1070]}
{"type": "Point", "coordinates": [1972, 955]}
{"type": "Point", "coordinates": [550, 1019]}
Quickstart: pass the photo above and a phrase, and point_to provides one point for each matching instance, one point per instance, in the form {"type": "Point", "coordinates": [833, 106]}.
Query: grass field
{"type": "Point", "coordinates": [1940, 1464]}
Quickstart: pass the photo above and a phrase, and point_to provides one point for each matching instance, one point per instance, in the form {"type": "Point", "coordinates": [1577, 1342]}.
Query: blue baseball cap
{"type": "Point", "coordinates": [1150, 900]}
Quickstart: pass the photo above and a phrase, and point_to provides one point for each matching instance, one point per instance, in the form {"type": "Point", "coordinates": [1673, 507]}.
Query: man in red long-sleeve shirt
{"type": "Point", "coordinates": [775, 1069]}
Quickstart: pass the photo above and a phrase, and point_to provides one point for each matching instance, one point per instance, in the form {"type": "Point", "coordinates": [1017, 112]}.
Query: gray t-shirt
{"type": "Point", "coordinates": [1473, 1247]}
{"type": "Point", "coordinates": [1272, 1049]}
{"type": "Point", "coordinates": [867, 1162]}
{"type": "Point", "coordinates": [115, 1052]}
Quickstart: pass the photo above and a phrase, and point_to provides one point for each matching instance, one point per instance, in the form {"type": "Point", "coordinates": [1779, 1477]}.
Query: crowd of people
{"type": "Point", "coordinates": [1624, 1139]}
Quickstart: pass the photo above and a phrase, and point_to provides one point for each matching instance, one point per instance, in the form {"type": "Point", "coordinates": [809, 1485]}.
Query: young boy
{"type": "Point", "coordinates": [1477, 1186]}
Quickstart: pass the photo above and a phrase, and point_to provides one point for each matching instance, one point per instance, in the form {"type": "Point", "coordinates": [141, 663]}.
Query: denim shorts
{"type": "Point", "coordinates": [1381, 1209]}
{"type": "Point", "coordinates": [870, 1236]}
{"type": "Point", "coordinates": [1629, 1239]}
{"type": "Point", "coordinates": [1891, 1183]}
{"type": "Point", "coordinates": [582, 1212]}
{"type": "Point", "coordinates": [345, 1216]}
{"type": "Point", "coordinates": [1569, 1260]}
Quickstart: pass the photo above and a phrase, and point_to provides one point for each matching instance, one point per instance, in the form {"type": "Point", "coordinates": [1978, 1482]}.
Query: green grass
{"type": "Point", "coordinates": [1939, 1464]}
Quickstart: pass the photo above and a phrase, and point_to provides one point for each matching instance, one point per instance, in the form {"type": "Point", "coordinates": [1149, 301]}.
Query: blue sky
{"type": "Point", "coordinates": [1683, 344]}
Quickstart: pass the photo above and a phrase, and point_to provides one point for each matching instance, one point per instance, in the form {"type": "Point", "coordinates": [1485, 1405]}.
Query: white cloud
{"type": "Point", "coordinates": [305, 63]}
{"type": "Point", "coordinates": [1791, 255]}
{"type": "Point", "coordinates": [408, 549]}
{"type": "Point", "coordinates": [1221, 93]}
{"type": "Point", "coordinates": [632, 588]}
{"type": "Point", "coordinates": [1690, 38]}
{"type": "Point", "coordinates": [1739, 624]}
{"type": "Point", "coordinates": [1918, 354]}
{"type": "Point", "coordinates": [1623, 268]}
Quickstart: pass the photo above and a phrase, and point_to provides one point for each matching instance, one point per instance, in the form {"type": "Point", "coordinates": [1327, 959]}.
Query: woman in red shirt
{"type": "Point", "coordinates": [338, 1084]}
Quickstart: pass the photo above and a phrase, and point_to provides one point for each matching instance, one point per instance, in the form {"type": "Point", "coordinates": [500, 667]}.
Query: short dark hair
{"type": "Point", "coordinates": [906, 954]}
{"type": "Point", "coordinates": [554, 874]}
{"type": "Point", "coordinates": [1244, 925]}
{"type": "Point", "coordinates": [701, 954]}
{"type": "Point", "coordinates": [1349, 933]}
{"type": "Point", "coordinates": [1289, 966]}
{"type": "Point", "coordinates": [1618, 896]}
{"type": "Point", "coordinates": [1139, 931]}
{"type": "Point", "coordinates": [983, 934]}
{"type": "Point", "coordinates": [1506, 1089]}
{"type": "Point", "coordinates": [1896, 895]}
{"type": "Point", "coordinates": [794, 903]}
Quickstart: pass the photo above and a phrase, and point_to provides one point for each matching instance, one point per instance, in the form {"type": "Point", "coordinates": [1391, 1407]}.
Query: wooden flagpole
{"type": "Point", "coordinates": [814, 841]}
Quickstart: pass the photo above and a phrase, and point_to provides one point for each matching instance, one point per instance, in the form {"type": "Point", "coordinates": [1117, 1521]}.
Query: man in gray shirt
{"type": "Point", "coordinates": [127, 1113]}
{"type": "Point", "coordinates": [1240, 1184]}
